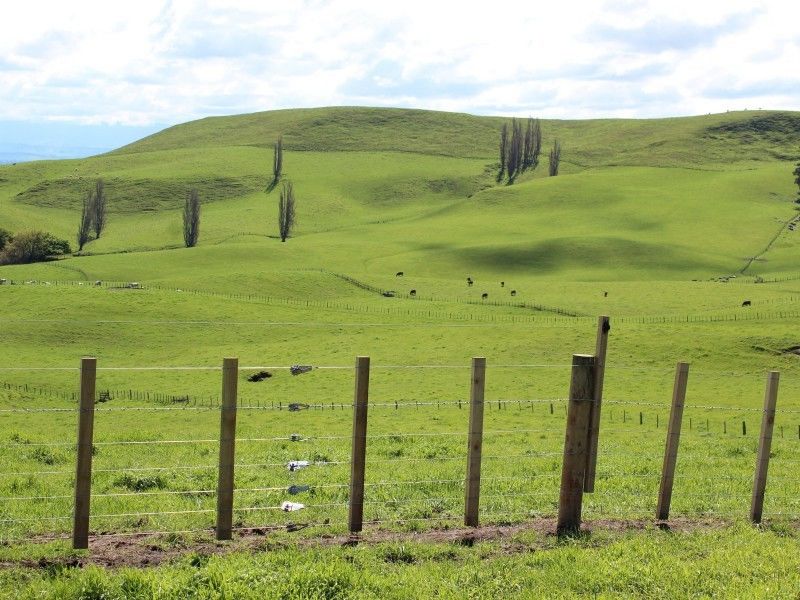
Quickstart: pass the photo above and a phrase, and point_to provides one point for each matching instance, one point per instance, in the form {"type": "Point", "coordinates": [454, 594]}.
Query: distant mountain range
{"type": "Point", "coordinates": [14, 153]}
{"type": "Point", "coordinates": [24, 141]}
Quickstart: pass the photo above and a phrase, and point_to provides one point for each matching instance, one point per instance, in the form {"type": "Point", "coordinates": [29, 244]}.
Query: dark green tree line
{"type": "Point", "coordinates": [520, 151]}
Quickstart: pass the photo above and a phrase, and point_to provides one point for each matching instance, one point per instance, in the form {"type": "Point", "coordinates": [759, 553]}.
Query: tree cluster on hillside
{"type": "Point", "coordinates": [286, 213]}
{"type": "Point", "coordinates": [555, 158]}
{"type": "Point", "coordinates": [93, 215]}
{"type": "Point", "coordinates": [796, 174]}
{"type": "Point", "coordinates": [519, 151]}
{"type": "Point", "coordinates": [191, 219]}
{"type": "Point", "coordinates": [30, 246]}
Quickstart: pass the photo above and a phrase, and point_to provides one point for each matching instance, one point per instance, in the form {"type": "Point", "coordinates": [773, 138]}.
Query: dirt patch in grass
{"type": "Point", "coordinates": [148, 550]}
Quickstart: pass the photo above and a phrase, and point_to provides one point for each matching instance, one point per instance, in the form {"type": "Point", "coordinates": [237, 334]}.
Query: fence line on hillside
{"type": "Point", "coordinates": [565, 317]}
{"type": "Point", "coordinates": [575, 457]}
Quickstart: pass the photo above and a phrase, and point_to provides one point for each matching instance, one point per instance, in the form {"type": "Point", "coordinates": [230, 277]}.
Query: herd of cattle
{"type": "Point", "coordinates": [470, 282]}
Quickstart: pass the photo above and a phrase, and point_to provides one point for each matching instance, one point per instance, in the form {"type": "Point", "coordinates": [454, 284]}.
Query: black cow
{"type": "Point", "coordinates": [746, 303]}
{"type": "Point", "coordinates": [484, 296]}
{"type": "Point", "coordinates": [513, 292]}
{"type": "Point", "coordinates": [412, 293]}
{"type": "Point", "coordinates": [398, 274]}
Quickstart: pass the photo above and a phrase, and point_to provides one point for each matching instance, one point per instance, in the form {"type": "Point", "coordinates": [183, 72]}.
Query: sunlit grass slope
{"type": "Point", "coordinates": [381, 190]}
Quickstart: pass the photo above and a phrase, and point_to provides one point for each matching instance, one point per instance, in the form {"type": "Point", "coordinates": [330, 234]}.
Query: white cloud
{"type": "Point", "coordinates": [171, 61]}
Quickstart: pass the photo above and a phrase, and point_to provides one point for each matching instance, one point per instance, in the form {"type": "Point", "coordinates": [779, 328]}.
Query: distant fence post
{"type": "Point", "coordinates": [764, 445]}
{"type": "Point", "coordinates": [603, 327]}
{"type": "Point", "coordinates": [474, 443]}
{"type": "Point", "coordinates": [83, 473]}
{"type": "Point", "coordinates": [227, 447]}
{"type": "Point", "coordinates": [355, 517]}
{"type": "Point", "coordinates": [673, 439]}
{"type": "Point", "coordinates": [576, 441]}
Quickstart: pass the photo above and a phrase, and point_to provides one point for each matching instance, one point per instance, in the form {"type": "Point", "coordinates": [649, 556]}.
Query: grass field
{"type": "Point", "coordinates": [646, 224]}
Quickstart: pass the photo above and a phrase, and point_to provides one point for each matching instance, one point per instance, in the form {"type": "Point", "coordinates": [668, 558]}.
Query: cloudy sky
{"type": "Point", "coordinates": [132, 67]}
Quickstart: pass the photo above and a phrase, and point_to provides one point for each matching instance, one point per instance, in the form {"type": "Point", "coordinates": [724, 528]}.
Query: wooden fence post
{"type": "Point", "coordinates": [474, 443]}
{"type": "Point", "coordinates": [673, 439]}
{"type": "Point", "coordinates": [603, 327]}
{"type": "Point", "coordinates": [83, 472]}
{"type": "Point", "coordinates": [359, 447]}
{"type": "Point", "coordinates": [764, 445]}
{"type": "Point", "coordinates": [227, 447]}
{"type": "Point", "coordinates": [576, 441]}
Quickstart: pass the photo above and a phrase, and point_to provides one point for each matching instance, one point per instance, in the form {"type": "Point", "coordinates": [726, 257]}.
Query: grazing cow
{"type": "Point", "coordinates": [484, 296]}
{"type": "Point", "coordinates": [398, 274]}
{"type": "Point", "coordinates": [605, 294]}
{"type": "Point", "coordinates": [746, 303]}
{"type": "Point", "coordinates": [513, 292]}
{"type": "Point", "coordinates": [412, 293]}
{"type": "Point", "coordinates": [502, 284]}
{"type": "Point", "coordinates": [469, 282]}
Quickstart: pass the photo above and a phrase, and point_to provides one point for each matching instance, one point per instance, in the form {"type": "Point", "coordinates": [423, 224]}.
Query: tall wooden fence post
{"type": "Point", "coordinates": [355, 517]}
{"type": "Point", "coordinates": [227, 447]}
{"type": "Point", "coordinates": [603, 327]}
{"type": "Point", "coordinates": [576, 442]}
{"type": "Point", "coordinates": [764, 446]}
{"type": "Point", "coordinates": [474, 443]}
{"type": "Point", "coordinates": [673, 439]}
{"type": "Point", "coordinates": [83, 472]}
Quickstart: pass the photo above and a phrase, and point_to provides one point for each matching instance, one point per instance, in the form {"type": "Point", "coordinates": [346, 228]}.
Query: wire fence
{"type": "Point", "coordinates": [529, 313]}
{"type": "Point", "coordinates": [293, 462]}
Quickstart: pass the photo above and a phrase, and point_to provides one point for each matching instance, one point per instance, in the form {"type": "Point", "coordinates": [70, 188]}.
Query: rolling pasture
{"type": "Point", "coordinates": [647, 223]}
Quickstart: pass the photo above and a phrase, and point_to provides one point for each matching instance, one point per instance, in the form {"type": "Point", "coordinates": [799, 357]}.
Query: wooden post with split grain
{"type": "Point", "coordinates": [673, 439]}
{"type": "Point", "coordinates": [576, 442]}
{"type": "Point", "coordinates": [474, 443]}
{"type": "Point", "coordinates": [227, 447]}
{"type": "Point", "coordinates": [355, 518]}
{"type": "Point", "coordinates": [764, 446]}
{"type": "Point", "coordinates": [83, 471]}
{"type": "Point", "coordinates": [603, 327]}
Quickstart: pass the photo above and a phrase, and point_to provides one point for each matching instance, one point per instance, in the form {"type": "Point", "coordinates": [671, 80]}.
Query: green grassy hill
{"type": "Point", "coordinates": [381, 190]}
{"type": "Point", "coordinates": [648, 223]}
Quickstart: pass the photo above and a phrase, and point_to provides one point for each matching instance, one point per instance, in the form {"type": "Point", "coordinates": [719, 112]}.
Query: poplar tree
{"type": "Point", "coordinates": [555, 158]}
{"type": "Point", "coordinates": [191, 219]}
{"type": "Point", "coordinates": [85, 225]}
{"type": "Point", "coordinates": [98, 208]}
{"type": "Point", "coordinates": [286, 211]}
{"type": "Point", "coordinates": [503, 151]}
{"type": "Point", "coordinates": [277, 162]}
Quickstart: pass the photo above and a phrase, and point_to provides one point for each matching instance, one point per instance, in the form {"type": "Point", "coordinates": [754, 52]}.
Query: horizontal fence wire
{"type": "Point", "coordinates": [645, 486]}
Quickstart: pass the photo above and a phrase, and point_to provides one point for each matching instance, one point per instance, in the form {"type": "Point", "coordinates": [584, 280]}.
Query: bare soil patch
{"type": "Point", "coordinates": [149, 550]}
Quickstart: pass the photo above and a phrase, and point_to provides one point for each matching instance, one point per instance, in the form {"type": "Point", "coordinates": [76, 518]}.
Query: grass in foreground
{"type": "Point", "coordinates": [738, 561]}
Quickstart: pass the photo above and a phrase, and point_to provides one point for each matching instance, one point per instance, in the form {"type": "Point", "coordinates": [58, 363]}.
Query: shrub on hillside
{"type": "Point", "coordinates": [33, 246]}
{"type": "Point", "coordinates": [5, 238]}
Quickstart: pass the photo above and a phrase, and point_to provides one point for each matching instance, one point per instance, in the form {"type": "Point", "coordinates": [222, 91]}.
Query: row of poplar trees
{"type": "Point", "coordinates": [93, 215]}
{"type": "Point", "coordinates": [520, 151]}
{"type": "Point", "coordinates": [286, 202]}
